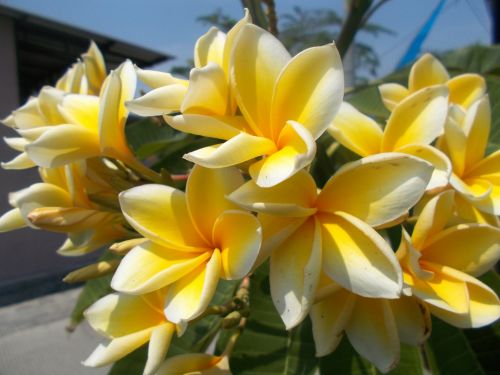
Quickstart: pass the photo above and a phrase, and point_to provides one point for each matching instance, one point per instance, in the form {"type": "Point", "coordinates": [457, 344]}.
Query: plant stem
{"type": "Point", "coordinates": [356, 12]}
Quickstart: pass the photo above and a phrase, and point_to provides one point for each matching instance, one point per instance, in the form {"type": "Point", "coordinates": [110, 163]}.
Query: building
{"type": "Point", "coordinates": [36, 51]}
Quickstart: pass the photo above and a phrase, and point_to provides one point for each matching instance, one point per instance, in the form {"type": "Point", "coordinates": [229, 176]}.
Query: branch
{"type": "Point", "coordinates": [272, 17]}
{"type": "Point", "coordinates": [353, 22]}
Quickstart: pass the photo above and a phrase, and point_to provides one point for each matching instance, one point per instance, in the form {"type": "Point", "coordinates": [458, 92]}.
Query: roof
{"type": "Point", "coordinates": [46, 48]}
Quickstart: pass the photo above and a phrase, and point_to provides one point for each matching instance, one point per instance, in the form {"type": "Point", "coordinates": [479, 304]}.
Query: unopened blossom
{"type": "Point", "coordinates": [194, 239]}
{"type": "Point", "coordinates": [61, 203]}
{"type": "Point", "coordinates": [427, 71]}
{"type": "Point", "coordinates": [306, 232]}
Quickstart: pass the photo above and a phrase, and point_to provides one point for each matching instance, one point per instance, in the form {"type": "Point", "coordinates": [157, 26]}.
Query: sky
{"type": "Point", "coordinates": [170, 26]}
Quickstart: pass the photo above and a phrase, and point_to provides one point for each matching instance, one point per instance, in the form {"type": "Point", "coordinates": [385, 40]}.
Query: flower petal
{"type": "Point", "coordinates": [238, 235]}
{"type": "Point", "coordinates": [117, 348]}
{"type": "Point", "coordinates": [487, 168]}
{"type": "Point", "coordinates": [471, 248]}
{"type": "Point", "coordinates": [467, 213]}
{"type": "Point", "coordinates": [258, 59]}
{"type": "Point", "coordinates": [21, 161]}
{"type": "Point", "coordinates": [62, 145]}
{"type": "Point", "coordinates": [294, 273]}
{"type": "Point", "coordinates": [476, 126]}
{"type": "Point", "coordinates": [208, 91]}
{"type": "Point", "coordinates": [433, 218]}
{"type": "Point", "coordinates": [119, 88]}
{"type": "Point", "coordinates": [373, 334]}
{"type": "Point", "coordinates": [158, 347]}
{"type": "Point", "coordinates": [160, 214]}
{"type": "Point", "coordinates": [156, 79]}
{"type": "Point", "coordinates": [117, 315]}
{"type": "Point", "coordinates": [427, 71]}
{"type": "Point", "coordinates": [392, 94]}
{"type": "Point", "coordinates": [417, 119]}
{"type": "Point", "coordinates": [190, 296]}
{"type": "Point", "coordinates": [296, 151]}
{"type": "Point", "coordinates": [442, 165]}
{"type": "Point", "coordinates": [358, 258]}
{"type": "Point", "coordinates": [413, 320]}
{"type": "Point", "coordinates": [161, 100]}
{"type": "Point", "coordinates": [472, 189]}
{"type": "Point", "coordinates": [484, 306]}
{"type": "Point", "coordinates": [444, 290]}
{"type": "Point", "coordinates": [295, 196]}
{"type": "Point", "coordinates": [238, 149]}
{"type": "Point", "coordinates": [41, 195]}
{"type": "Point", "coordinates": [48, 102]}
{"type": "Point", "coordinates": [275, 230]}
{"type": "Point", "coordinates": [355, 131]}
{"type": "Point", "coordinates": [149, 267]}
{"type": "Point", "coordinates": [81, 110]}
{"type": "Point", "coordinates": [329, 318]}
{"type": "Point", "coordinates": [221, 127]}
{"type": "Point", "coordinates": [11, 220]}
{"type": "Point", "coordinates": [377, 189]}
{"type": "Point", "coordinates": [465, 89]}
{"type": "Point", "coordinates": [209, 48]}
{"type": "Point", "coordinates": [189, 363]}
{"type": "Point", "coordinates": [314, 101]}
{"type": "Point", "coordinates": [206, 192]}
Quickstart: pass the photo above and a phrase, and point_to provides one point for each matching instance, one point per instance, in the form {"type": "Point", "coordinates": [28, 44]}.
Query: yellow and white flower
{"type": "Point", "coordinates": [375, 327]}
{"type": "Point", "coordinates": [439, 265]}
{"type": "Point", "coordinates": [476, 177]}
{"type": "Point", "coordinates": [130, 322]}
{"type": "Point", "coordinates": [195, 238]}
{"type": "Point", "coordinates": [306, 231]}
{"type": "Point", "coordinates": [427, 71]}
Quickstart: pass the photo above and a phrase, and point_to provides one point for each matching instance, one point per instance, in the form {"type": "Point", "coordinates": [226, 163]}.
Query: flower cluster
{"type": "Point", "coordinates": [251, 198]}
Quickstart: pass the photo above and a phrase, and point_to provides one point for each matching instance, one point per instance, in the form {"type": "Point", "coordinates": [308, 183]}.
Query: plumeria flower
{"type": "Point", "coordinates": [439, 265]}
{"type": "Point", "coordinates": [209, 91]}
{"type": "Point", "coordinates": [375, 327]}
{"type": "Point", "coordinates": [475, 177]}
{"type": "Point", "coordinates": [42, 112]}
{"type": "Point", "coordinates": [94, 126]}
{"type": "Point", "coordinates": [280, 114]}
{"type": "Point", "coordinates": [333, 230]}
{"type": "Point", "coordinates": [60, 203]}
{"type": "Point", "coordinates": [195, 238]}
{"type": "Point", "coordinates": [427, 71]}
{"type": "Point", "coordinates": [413, 125]}
{"type": "Point", "coordinates": [130, 322]}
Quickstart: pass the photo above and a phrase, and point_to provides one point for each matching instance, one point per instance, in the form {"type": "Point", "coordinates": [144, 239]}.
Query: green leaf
{"type": "Point", "coordinates": [473, 59]}
{"type": "Point", "coordinates": [149, 136]}
{"type": "Point", "coordinates": [265, 347]}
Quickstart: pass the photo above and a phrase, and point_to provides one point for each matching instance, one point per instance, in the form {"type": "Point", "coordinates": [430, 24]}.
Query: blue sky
{"type": "Point", "coordinates": [170, 25]}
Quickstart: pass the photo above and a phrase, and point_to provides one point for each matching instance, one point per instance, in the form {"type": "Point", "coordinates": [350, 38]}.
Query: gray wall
{"type": "Point", "coordinates": [24, 253]}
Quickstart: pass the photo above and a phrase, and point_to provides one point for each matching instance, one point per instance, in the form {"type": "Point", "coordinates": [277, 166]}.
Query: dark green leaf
{"type": "Point", "coordinates": [265, 347]}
